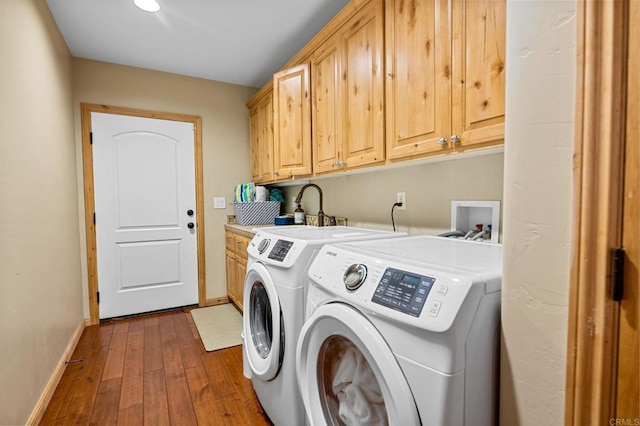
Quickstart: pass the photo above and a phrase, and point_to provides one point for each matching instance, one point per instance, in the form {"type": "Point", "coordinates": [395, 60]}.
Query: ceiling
{"type": "Point", "coordinates": [234, 41]}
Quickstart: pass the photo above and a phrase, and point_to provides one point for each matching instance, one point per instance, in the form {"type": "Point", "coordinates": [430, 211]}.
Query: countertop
{"type": "Point", "coordinates": [246, 230]}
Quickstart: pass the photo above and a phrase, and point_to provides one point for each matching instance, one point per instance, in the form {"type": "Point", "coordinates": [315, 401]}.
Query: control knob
{"type": "Point", "coordinates": [354, 276]}
{"type": "Point", "coordinates": [262, 246]}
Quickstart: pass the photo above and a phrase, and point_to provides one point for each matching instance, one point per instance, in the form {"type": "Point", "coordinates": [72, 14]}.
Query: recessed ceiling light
{"type": "Point", "coordinates": [147, 5]}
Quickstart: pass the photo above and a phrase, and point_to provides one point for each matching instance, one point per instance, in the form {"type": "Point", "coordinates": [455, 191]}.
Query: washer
{"type": "Point", "coordinates": [402, 332]}
{"type": "Point", "coordinates": [274, 300]}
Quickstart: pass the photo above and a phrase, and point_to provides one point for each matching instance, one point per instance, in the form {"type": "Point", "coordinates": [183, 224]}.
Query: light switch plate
{"type": "Point", "coordinates": [219, 203]}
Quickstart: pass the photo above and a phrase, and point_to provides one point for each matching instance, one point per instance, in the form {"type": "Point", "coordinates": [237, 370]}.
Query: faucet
{"type": "Point", "coordinates": [320, 213]}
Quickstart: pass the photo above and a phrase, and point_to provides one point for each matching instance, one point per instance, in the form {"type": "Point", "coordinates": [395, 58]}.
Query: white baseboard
{"type": "Point", "coordinates": [47, 394]}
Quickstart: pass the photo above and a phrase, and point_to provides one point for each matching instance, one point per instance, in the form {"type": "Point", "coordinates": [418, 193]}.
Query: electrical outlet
{"type": "Point", "coordinates": [401, 197]}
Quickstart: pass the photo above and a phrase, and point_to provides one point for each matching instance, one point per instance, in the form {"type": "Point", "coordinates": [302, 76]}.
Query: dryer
{"type": "Point", "coordinates": [402, 332]}
{"type": "Point", "coordinates": [274, 300]}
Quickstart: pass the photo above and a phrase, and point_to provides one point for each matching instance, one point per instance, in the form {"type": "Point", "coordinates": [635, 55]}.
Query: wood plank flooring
{"type": "Point", "coordinates": [153, 370]}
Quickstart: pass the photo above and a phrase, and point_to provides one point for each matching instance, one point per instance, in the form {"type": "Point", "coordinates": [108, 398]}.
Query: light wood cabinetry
{"type": "Point", "coordinates": [479, 54]}
{"type": "Point", "coordinates": [292, 122]}
{"type": "Point", "coordinates": [326, 114]}
{"type": "Point", "coordinates": [236, 265]}
{"type": "Point", "coordinates": [386, 81]}
{"type": "Point", "coordinates": [348, 94]}
{"type": "Point", "coordinates": [445, 82]}
{"type": "Point", "coordinates": [261, 138]}
{"type": "Point", "coordinates": [362, 42]}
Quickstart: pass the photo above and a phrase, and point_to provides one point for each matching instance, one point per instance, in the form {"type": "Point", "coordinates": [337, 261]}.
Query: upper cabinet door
{"type": "Point", "coordinates": [326, 114]}
{"type": "Point", "coordinates": [261, 139]}
{"type": "Point", "coordinates": [362, 45]}
{"type": "Point", "coordinates": [418, 78]}
{"type": "Point", "coordinates": [265, 118]}
{"type": "Point", "coordinates": [254, 144]}
{"type": "Point", "coordinates": [479, 38]}
{"type": "Point", "coordinates": [292, 122]}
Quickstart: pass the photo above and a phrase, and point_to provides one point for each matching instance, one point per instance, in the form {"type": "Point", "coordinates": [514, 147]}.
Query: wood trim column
{"type": "Point", "coordinates": [628, 377]}
{"type": "Point", "coordinates": [598, 169]}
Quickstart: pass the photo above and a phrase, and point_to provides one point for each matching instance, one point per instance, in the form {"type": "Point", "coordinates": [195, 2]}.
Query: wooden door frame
{"type": "Point", "coordinates": [89, 201]}
{"type": "Point", "coordinates": [598, 189]}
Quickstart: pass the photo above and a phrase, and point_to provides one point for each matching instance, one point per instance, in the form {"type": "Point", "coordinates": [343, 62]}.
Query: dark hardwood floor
{"type": "Point", "coordinates": [153, 370]}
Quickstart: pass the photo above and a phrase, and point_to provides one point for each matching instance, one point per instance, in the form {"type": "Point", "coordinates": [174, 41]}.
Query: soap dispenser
{"type": "Point", "coordinates": [298, 216]}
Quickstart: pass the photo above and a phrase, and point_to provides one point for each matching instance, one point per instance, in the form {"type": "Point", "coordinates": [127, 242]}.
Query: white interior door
{"type": "Point", "coordinates": [144, 186]}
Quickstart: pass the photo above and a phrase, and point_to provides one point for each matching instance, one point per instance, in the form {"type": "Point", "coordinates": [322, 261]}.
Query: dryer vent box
{"type": "Point", "coordinates": [465, 215]}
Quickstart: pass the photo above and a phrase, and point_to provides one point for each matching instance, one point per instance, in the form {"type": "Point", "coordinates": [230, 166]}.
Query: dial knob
{"type": "Point", "coordinates": [262, 246]}
{"type": "Point", "coordinates": [354, 276]}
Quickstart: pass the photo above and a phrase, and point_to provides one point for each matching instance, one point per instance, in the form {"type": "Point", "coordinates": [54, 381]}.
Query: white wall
{"type": "Point", "coordinates": [366, 199]}
{"type": "Point", "coordinates": [541, 69]}
{"type": "Point", "coordinates": [40, 282]}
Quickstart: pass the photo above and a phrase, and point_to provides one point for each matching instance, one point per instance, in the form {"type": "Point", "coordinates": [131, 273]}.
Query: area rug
{"type": "Point", "coordinates": [219, 326]}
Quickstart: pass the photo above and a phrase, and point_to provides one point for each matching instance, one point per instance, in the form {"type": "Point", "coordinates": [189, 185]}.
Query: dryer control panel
{"type": "Point", "coordinates": [280, 250]}
{"type": "Point", "coordinates": [403, 291]}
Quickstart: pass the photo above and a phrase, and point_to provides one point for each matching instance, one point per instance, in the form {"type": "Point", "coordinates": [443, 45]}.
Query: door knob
{"type": "Point", "coordinates": [189, 212]}
{"type": "Point", "coordinates": [190, 225]}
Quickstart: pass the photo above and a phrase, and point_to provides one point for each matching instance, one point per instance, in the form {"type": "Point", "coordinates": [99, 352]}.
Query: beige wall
{"type": "Point", "coordinates": [40, 281]}
{"type": "Point", "coordinates": [225, 138]}
{"type": "Point", "coordinates": [541, 62]}
{"type": "Point", "coordinates": [365, 199]}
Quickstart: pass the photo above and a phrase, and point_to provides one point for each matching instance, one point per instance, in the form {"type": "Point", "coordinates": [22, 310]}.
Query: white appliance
{"type": "Point", "coordinates": [274, 300]}
{"type": "Point", "coordinates": [402, 332]}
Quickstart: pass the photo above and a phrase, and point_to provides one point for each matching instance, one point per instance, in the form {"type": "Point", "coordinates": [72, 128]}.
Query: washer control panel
{"type": "Point", "coordinates": [403, 291]}
{"type": "Point", "coordinates": [280, 250]}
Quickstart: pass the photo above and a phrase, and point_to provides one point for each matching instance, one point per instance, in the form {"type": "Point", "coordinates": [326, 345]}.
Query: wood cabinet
{"type": "Point", "coordinates": [261, 138]}
{"type": "Point", "coordinates": [236, 265]}
{"type": "Point", "coordinates": [479, 55]}
{"type": "Point", "coordinates": [348, 93]}
{"type": "Point", "coordinates": [326, 115]}
{"type": "Point", "coordinates": [292, 122]}
{"type": "Point", "coordinates": [444, 82]}
{"type": "Point", "coordinates": [386, 81]}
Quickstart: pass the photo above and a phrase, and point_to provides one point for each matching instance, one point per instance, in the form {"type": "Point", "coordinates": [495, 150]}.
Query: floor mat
{"type": "Point", "coordinates": [219, 326]}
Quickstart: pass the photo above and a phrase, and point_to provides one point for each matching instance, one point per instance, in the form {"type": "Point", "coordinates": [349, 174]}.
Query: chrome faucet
{"type": "Point", "coordinates": [321, 214]}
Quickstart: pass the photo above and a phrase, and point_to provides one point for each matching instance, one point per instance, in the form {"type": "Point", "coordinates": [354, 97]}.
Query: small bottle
{"type": "Point", "coordinates": [298, 216]}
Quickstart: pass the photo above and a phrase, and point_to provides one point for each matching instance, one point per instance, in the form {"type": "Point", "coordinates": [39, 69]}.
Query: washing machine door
{"type": "Point", "coordinates": [347, 373]}
{"type": "Point", "coordinates": [263, 325]}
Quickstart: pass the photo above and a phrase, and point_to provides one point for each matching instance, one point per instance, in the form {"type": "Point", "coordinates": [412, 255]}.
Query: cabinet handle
{"type": "Point", "coordinates": [275, 172]}
{"type": "Point", "coordinates": [455, 139]}
{"type": "Point", "coordinates": [442, 141]}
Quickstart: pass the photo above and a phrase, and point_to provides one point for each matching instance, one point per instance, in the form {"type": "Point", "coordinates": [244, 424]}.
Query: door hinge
{"type": "Point", "coordinates": [98, 297]}
{"type": "Point", "coordinates": [91, 138]}
{"type": "Point", "coordinates": [617, 292]}
{"type": "Point", "coordinates": [94, 218]}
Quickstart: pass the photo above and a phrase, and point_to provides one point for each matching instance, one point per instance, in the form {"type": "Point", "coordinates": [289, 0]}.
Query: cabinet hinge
{"type": "Point", "coordinates": [617, 292]}
{"type": "Point", "coordinates": [91, 138]}
{"type": "Point", "coordinates": [98, 297]}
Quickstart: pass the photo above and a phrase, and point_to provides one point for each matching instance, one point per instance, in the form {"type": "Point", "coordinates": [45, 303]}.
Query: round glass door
{"type": "Point", "coordinates": [347, 373]}
{"type": "Point", "coordinates": [263, 328]}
